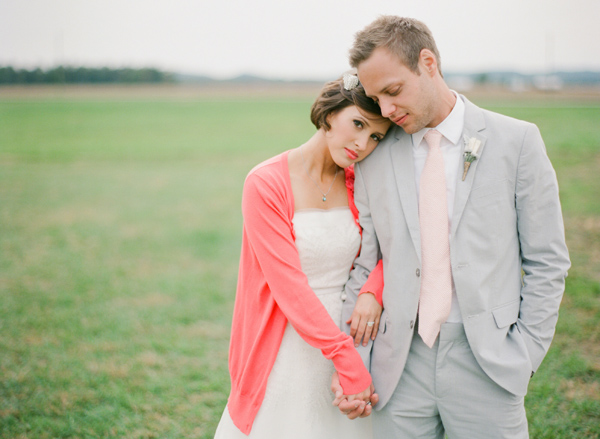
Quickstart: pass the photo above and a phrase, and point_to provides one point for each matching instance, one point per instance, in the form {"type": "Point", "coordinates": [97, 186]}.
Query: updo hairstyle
{"type": "Point", "coordinates": [334, 97]}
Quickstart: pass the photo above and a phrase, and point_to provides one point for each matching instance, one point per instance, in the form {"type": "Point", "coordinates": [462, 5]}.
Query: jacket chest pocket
{"type": "Point", "coordinates": [493, 193]}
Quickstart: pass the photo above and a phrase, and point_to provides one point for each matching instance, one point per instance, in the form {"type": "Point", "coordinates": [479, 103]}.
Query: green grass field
{"type": "Point", "coordinates": [120, 229]}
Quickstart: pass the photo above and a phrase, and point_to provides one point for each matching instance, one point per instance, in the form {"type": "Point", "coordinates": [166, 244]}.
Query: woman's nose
{"type": "Point", "coordinates": [361, 142]}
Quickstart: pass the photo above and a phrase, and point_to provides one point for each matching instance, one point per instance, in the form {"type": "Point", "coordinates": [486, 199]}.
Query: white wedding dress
{"type": "Point", "coordinates": [298, 400]}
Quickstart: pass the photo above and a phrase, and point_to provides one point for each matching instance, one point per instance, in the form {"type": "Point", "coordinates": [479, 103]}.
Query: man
{"type": "Point", "coordinates": [462, 206]}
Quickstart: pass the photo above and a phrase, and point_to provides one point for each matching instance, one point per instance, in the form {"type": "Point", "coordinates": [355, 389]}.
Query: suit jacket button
{"type": "Point", "coordinates": [412, 324]}
{"type": "Point", "coordinates": [418, 272]}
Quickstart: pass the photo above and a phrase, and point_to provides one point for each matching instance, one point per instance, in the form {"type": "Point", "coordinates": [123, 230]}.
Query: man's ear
{"type": "Point", "coordinates": [428, 62]}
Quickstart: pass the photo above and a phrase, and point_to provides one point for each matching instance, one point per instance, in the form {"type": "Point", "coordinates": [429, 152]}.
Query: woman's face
{"type": "Point", "coordinates": [354, 134]}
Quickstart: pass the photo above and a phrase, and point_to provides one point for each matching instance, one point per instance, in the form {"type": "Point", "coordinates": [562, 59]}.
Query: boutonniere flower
{"type": "Point", "coordinates": [472, 151]}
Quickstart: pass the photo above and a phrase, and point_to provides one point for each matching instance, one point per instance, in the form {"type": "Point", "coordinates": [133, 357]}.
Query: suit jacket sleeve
{"type": "Point", "coordinates": [544, 254]}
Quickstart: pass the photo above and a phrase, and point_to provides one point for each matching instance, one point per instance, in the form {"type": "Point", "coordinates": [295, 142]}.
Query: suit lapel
{"type": "Point", "coordinates": [403, 164]}
{"type": "Point", "coordinates": [474, 127]}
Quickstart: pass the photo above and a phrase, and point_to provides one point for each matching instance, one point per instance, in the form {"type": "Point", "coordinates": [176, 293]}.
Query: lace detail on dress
{"type": "Point", "coordinates": [327, 241]}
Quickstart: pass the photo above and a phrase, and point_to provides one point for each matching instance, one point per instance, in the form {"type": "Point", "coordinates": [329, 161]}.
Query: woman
{"type": "Point", "coordinates": [300, 237]}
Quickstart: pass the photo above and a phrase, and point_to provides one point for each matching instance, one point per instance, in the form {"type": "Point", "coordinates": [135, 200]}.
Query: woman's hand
{"type": "Point", "coordinates": [364, 322]}
{"type": "Point", "coordinates": [353, 406]}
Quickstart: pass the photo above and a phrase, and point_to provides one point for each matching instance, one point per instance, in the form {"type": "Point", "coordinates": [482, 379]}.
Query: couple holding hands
{"type": "Point", "coordinates": [441, 257]}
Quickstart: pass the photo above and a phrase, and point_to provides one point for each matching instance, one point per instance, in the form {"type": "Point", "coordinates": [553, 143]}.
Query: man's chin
{"type": "Point", "coordinates": [411, 128]}
{"type": "Point", "coordinates": [408, 129]}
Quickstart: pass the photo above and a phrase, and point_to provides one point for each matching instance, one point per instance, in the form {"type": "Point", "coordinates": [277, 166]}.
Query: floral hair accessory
{"type": "Point", "coordinates": [350, 81]}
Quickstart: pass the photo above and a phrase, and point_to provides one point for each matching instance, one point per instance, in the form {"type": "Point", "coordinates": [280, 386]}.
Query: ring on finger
{"type": "Point", "coordinates": [369, 324]}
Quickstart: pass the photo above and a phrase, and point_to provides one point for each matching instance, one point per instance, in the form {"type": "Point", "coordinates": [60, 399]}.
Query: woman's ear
{"type": "Point", "coordinates": [328, 122]}
{"type": "Point", "coordinates": [327, 127]}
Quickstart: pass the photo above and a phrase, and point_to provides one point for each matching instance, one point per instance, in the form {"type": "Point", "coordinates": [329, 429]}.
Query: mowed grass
{"type": "Point", "coordinates": [120, 229]}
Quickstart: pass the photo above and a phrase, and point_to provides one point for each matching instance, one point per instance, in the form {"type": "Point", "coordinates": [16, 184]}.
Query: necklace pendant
{"type": "Point", "coordinates": [313, 180]}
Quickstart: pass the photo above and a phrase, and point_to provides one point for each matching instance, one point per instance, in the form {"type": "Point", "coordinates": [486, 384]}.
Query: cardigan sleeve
{"type": "Point", "coordinates": [374, 283]}
{"type": "Point", "coordinates": [267, 223]}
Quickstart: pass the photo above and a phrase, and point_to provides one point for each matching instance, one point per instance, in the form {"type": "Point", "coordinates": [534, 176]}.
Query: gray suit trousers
{"type": "Point", "coordinates": [443, 390]}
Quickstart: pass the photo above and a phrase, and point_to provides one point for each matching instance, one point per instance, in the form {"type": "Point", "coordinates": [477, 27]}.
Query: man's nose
{"type": "Point", "coordinates": [387, 108]}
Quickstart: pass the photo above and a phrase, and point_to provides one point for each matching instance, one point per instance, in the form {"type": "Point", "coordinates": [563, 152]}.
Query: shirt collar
{"type": "Point", "coordinates": [451, 127]}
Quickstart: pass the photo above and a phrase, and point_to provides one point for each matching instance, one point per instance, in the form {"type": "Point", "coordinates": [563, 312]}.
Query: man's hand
{"type": "Point", "coordinates": [353, 406]}
{"type": "Point", "coordinates": [364, 322]}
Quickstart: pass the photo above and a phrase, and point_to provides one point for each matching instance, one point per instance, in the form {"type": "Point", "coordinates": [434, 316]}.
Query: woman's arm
{"type": "Point", "coordinates": [364, 322]}
{"type": "Point", "coordinates": [374, 283]}
{"type": "Point", "coordinates": [267, 224]}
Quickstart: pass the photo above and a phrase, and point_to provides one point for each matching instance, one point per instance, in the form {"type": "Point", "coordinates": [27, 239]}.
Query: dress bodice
{"type": "Point", "coordinates": [327, 241]}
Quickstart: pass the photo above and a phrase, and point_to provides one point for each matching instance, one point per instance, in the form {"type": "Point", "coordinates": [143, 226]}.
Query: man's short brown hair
{"type": "Point", "coordinates": [404, 37]}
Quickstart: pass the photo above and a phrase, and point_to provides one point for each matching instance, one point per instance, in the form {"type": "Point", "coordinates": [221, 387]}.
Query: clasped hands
{"type": "Point", "coordinates": [364, 324]}
{"type": "Point", "coordinates": [355, 406]}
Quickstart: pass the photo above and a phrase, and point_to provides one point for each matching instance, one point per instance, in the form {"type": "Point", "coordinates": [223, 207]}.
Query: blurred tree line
{"type": "Point", "coordinates": [82, 75]}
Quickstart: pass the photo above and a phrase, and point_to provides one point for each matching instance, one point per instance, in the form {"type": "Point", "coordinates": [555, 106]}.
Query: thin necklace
{"type": "Point", "coordinates": [317, 184]}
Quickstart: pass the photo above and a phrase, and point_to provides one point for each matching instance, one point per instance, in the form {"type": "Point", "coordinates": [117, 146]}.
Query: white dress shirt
{"type": "Point", "coordinates": [451, 145]}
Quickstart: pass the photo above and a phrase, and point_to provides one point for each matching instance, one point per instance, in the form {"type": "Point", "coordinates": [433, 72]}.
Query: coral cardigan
{"type": "Point", "coordinates": [272, 290]}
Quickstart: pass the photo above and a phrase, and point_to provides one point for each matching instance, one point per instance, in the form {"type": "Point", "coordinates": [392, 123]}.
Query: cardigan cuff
{"type": "Point", "coordinates": [374, 283]}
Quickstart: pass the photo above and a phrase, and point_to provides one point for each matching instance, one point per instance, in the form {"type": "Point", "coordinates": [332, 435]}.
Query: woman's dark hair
{"type": "Point", "coordinates": [334, 97]}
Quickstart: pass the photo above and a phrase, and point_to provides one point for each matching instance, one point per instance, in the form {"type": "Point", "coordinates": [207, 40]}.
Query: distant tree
{"type": "Point", "coordinates": [83, 75]}
{"type": "Point", "coordinates": [56, 76]}
{"type": "Point", "coordinates": [481, 78]}
{"type": "Point", "coordinates": [7, 75]}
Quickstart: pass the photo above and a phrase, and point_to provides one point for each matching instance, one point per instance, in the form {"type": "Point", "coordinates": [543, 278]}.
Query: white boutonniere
{"type": "Point", "coordinates": [472, 151]}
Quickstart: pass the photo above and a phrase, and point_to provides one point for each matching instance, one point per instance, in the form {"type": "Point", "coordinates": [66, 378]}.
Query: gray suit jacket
{"type": "Point", "coordinates": [507, 248]}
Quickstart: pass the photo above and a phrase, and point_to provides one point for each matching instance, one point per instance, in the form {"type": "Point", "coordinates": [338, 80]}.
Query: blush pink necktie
{"type": "Point", "coordinates": [436, 281]}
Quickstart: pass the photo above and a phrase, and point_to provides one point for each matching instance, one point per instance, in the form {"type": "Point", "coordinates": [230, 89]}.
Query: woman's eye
{"type": "Point", "coordinates": [375, 137]}
{"type": "Point", "coordinates": [358, 123]}
{"type": "Point", "coordinates": [395, 92]}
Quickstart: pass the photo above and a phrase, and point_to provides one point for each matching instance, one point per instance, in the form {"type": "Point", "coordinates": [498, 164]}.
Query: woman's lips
{"type": "Point", "coordinates": [351, 154]}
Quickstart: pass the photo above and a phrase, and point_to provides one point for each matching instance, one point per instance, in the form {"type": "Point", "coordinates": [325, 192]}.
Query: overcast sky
{"type": "Point", "coordinates": [292, 39]}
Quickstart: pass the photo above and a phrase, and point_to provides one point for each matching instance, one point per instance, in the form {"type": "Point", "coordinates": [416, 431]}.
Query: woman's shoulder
{"type": "Point", "coordinates": [274, 167]}
{"type": "Point", "coordinates": [270, 179]}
